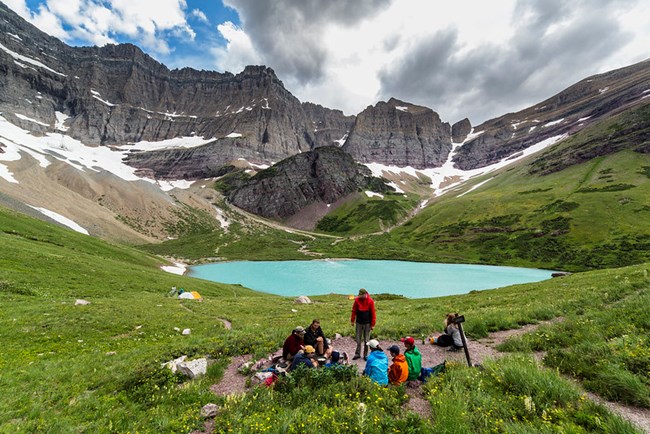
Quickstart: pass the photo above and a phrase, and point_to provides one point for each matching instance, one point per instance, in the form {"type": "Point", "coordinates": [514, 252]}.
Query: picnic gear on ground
{"type": "Point", "coordinates": [193, 295]}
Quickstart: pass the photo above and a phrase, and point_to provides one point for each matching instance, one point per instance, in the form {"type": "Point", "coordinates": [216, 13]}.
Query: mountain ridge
{"type": "Point", "coordinates": [120, 99]}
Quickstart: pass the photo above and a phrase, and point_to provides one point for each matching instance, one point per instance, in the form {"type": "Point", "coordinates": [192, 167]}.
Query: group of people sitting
{"type": "Point", "coordinates": [405, 367]}
{"type": "Point", "coordinates": [309, 347]}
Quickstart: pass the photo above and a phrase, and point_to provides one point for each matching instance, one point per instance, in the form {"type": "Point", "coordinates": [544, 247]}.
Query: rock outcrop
{"type": "Point", "coordinates": [322, 175]}
{"type": "Point", "coordinates": [460, 130]}
{"type": "Point", "coordinates": [330, 127]}
{"type": "Point", "coordinates": [397, 133]}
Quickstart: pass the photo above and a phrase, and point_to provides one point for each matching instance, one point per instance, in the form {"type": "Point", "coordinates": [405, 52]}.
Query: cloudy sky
{"type": "Point", "coordinates": [466, 58]}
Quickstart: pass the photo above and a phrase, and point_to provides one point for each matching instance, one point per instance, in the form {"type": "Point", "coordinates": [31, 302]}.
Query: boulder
{"type": "Point", "coordinates": [194, 368]}
{"type": "Point", "coordinates": [173, 364]}
{"type": "Point", "coordinates": [209, 410]}
{"type": "Point", "coordinates": [303, 299]}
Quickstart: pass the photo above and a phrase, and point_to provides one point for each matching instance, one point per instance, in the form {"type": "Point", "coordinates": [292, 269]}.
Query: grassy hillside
{"type": "Point", "coordinates": [96, 368]}
{"type": "Point", "coordinates": [592, 215]}
{"type": "Point", "coordinates": [368, 215]}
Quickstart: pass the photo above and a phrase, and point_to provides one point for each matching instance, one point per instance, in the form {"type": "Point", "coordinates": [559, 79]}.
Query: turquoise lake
{"type": "Point", "coordinates": [410, 279]}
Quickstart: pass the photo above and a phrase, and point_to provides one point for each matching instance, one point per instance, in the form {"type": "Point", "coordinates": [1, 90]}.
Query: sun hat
{"type": "Point", "coordinates": [373, 343]}
{"type": "Point", "coordinates": [408, 340]}
{"type": "Point", "coordinates": [394, 349]}
{"type": "Point", "coordinates": [299, 329]}
{"type": "Point", "coordinates": [309, 349]}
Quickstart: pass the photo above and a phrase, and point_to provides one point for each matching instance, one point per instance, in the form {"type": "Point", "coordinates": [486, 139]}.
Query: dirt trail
{"type": "Point", "coordinates": [480, 350]}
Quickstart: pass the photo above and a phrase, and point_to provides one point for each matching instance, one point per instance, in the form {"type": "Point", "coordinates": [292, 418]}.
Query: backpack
{"type": "Point", "coordinates": [425, 373]}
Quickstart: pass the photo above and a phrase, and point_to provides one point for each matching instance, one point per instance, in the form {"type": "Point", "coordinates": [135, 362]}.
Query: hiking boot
{"type": "Point", "coordinates": [365, 357]}
{"type": "Point", "coordinates": [356, 357]}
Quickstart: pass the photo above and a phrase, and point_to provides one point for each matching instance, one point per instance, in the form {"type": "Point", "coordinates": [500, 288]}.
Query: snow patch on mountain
{"type": "Point", "coordinates": [16, 142]}
{"type": "Point", "coordinates": [448, 177]}
{"type": "Point", "coordinates": [61, 219]}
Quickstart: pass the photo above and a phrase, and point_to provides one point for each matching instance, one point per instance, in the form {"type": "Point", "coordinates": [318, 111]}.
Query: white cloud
{"type": "Point", "coordinates": [198, 13]}
{"type": "Point", "coordinates": [148, 22]}
{"type": "Point", "coordinates": [465, 58]}
{"type": "Point", "coordinates": [20, 7]}
{"type": "Point", "coordinates": [238, 51]}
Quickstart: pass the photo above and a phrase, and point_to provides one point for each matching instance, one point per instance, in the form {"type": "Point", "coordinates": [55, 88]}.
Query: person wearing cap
{"type": "Point", "coordinates": [398, 372]}
{"type": "Point", "coordinates": [335, 360]}
{"type": "Point", "coordinates": [364, 316]}
{"type": "Point", "coordinates": [377, 364]}
{"type": "Point", "coordinates": [413, 358]}
{"type": "Point", "coordinates": [304, 358]}
{"type": "Point", "coordinates": [293, 343]}
{"type": "Point", "coordinates": [315, 337]}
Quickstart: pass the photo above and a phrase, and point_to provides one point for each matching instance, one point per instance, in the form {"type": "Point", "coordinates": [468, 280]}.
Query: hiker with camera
{"type": "Point", "coordinates": [451, 337]}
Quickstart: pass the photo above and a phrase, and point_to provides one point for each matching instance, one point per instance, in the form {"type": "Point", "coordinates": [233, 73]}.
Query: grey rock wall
{"type": "Point", "coordinates": [399, 134]}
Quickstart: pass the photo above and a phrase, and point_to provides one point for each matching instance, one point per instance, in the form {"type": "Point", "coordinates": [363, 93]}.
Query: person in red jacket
{"type": "Point", "coordinates": [363, 315]}
{"type": "Point", "coordinates": [293, 343]}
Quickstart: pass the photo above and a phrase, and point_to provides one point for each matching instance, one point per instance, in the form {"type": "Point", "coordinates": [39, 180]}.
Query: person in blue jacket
{"type": "Point", "coordinates": [377, 364]}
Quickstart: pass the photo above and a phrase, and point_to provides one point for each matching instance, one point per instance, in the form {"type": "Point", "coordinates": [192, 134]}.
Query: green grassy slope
{"type": "Point", "coordinates": [368, 215]}
{"type": "Point", "coordinates": [96, 368]}
{"type": "Point", "coordinates": [592, 215]}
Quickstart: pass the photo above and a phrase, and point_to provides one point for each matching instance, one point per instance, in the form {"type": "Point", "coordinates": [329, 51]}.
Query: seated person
{"type": "Point", "coordinates": [413, 358]}
{"type": "Point", "coordinates": [293, 343]}
{"type": "Point", "coordinates": [451, 337]}
{"type": "Point", "coordinates": [377, 363]}
{"type": "Point", "coordinates": [398, 372]}
{"type": "Point", "coordinates": [315, 337]}
{"type": "Point", "coordinates": [304, 358]}
{"type": "Point", "coordinates": [335, 360]}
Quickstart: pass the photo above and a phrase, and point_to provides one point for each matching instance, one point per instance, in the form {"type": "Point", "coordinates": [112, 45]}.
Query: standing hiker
{"type": "Point", "coordinates": [364, 316]}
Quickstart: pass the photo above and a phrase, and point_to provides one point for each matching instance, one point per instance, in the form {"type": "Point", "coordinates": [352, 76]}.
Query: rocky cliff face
{"type": "Point", "coordinates": [587, 102]}
{"type": "Point", "coordinates": [323, 175]}
{"type": "Point", "coordinates": [330, 127]}
{"type": "Point", "coordinates": [460, 130]}
{"type": "Point", "coordinates": [397, 133]}
{"type": "Point", "coordinates": [117, 94]}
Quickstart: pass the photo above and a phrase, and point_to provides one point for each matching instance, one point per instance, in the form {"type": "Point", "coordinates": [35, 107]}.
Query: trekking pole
{"type": "Point", "coordinates": [459, 320]}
